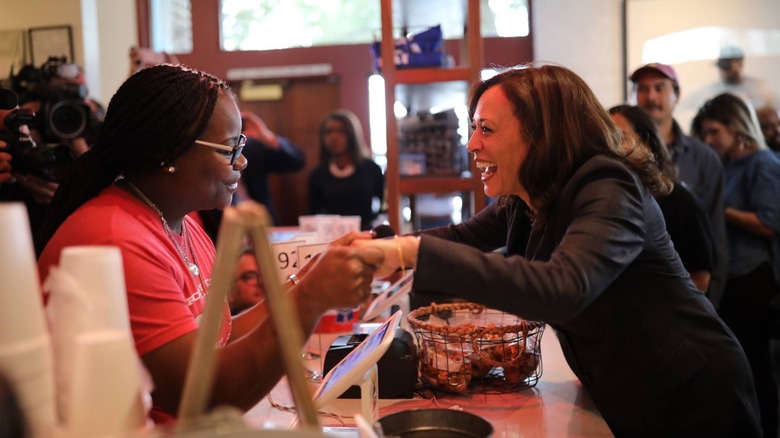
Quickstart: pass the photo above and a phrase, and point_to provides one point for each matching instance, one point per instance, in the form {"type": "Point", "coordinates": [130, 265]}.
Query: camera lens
{"type": "Point", "coordinates": [54, 162]}
{"type": "Point", "coordinates": [67, 119]}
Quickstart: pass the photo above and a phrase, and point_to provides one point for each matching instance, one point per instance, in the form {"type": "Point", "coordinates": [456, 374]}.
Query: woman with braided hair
{"type": "Point", "coordinates": [171, 144]}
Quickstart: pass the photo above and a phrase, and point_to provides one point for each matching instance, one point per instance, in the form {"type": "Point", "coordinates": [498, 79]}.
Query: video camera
{"type": "Point", "coordinates": [49, 161]}
{"type": "Point", "coordinates": [64, 113]}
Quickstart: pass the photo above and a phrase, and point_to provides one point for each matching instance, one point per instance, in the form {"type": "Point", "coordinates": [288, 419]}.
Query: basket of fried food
{"type": "Point", "coordinates": [467, 347]}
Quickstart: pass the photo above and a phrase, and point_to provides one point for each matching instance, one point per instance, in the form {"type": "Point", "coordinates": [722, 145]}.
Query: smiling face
{"type": "Point", "coordinates": [497, 144]}
{"type": "Point", "coordinates": [205, 171]}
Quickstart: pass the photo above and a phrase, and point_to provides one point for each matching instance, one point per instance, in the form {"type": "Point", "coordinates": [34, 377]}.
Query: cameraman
{"type": "Point", "coordinates": [34, 191]}
{"type": "Point", "coordinates": [36, 187]}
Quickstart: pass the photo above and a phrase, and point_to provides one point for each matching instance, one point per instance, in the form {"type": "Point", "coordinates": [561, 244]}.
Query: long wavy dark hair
{"type": "Point", "coordinates": [154, 117]}
{"type": "Point", "coordinates": [734, 112]}
{"type": "Point", "coordinates": [647, 131]}
{"type": "Point", "coordinates": [356, 143]}
{"type": "Point", "coordinates": [565, 126]}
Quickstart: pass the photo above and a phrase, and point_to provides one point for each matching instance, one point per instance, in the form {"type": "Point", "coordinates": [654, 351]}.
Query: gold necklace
{"type": "Point", "coordinates": [191, 266]}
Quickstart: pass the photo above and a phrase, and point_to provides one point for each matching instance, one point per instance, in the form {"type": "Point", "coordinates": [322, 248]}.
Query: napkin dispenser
{"type": "Point", "coordinates": [397, 369]}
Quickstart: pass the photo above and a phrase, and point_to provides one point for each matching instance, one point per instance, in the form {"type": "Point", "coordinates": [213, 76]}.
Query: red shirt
{"type": "Point", "coordinates": [165, 301]}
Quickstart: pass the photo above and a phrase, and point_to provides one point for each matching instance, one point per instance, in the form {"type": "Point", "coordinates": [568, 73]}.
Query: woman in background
{"type": "Point", "coordinates": [752, 190]}
{"type": "Point", "coordinates": [347, 181]}
{"type": "Point", "coordinates": [249, 288]}
{"type": "Point", "coordinates": [684, 213]}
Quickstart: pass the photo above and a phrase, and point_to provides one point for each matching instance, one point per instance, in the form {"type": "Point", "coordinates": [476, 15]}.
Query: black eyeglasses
{"type": "Point", "coordinates": [235, 151]}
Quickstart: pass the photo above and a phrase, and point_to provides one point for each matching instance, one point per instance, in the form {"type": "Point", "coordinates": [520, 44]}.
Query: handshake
{"type": "Point", "coordinates": [342, 274]}
{"type": "Point", "coordinates": [398, 252]}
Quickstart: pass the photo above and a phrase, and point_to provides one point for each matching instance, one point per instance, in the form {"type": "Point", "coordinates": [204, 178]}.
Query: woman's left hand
{"type": "Point", "coordinates": [399, 252]}
{"type": "Point", "coordinates": [352, 236]}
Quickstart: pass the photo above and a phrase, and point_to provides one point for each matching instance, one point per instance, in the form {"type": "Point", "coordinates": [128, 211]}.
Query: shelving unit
{"type": "Point", "coordinates": [468, 70]}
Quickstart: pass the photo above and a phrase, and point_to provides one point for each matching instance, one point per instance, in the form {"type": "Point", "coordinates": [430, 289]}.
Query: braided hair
{"type": "Point", "coordinates": [154, 117]}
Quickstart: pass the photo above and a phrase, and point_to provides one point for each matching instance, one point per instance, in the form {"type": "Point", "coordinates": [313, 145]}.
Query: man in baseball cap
{"type": "Point", "coordinates": [657, 90]}
{"type": "Point", "coordinates": [730, 64]}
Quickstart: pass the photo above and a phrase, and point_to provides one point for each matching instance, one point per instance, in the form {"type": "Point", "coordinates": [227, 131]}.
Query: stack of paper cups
{"type": "Point", "coordinates": [104, 392]}
{"type": "Point", "coordinates": [98, 375]}
{"type": "Point", "coordinates": [25, 347]}
{"type": "Point", "coordinates": [100, 275]}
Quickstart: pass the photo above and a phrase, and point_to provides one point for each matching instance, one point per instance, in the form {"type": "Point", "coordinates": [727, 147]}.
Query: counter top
{"type": "Point", "coordinates": [557, 406]}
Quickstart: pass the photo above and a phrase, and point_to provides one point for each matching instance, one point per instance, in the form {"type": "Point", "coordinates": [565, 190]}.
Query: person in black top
{"type": "Point", "coordinates": [347, 181]}
{"type": "Point", "coordinates": [657, 90]}
{"type": "Point", "coordinates": [267, 153]}
{"type": "Point", "coordinates": [686, 217]}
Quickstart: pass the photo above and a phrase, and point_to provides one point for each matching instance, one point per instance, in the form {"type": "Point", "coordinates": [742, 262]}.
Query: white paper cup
{"type": "Point", "coordinates": [345, 224]}
{"type": "Point", "coordinates": [99, 272]}
{"type": "Point", "coordinates": [326, 226]}
{"type": "Point", "coordinates": [307, 223]}
{"type": "Point", "coordinates": [21, 305]}
{"type": "Point", "coordinates": [28, 366]}
{"type": "Point", "coordinates": [105, 392]}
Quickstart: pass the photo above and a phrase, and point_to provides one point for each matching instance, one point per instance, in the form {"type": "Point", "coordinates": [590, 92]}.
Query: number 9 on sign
{"type": "Point", "coordinates": [286, 254]}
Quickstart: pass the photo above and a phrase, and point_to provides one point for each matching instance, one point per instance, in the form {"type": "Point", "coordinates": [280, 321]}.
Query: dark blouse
{"type": "Point", "coordinates": [690, 228]}
{"type": "Point", "coordinates": [349, 196]}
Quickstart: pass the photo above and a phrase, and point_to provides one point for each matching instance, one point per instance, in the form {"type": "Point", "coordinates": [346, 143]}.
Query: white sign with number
{"type": "Point", "coordinates": [286, 255]}
{"type": "Point", "coordinates": [306, 252]}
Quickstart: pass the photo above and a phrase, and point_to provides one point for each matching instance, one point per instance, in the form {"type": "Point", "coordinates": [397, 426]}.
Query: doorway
{"type": "Point", "coordinates": [296, 115]}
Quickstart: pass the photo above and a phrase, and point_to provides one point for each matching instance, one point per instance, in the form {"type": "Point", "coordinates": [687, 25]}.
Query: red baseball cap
{"type": "Point", "coordinates": [663, 69]}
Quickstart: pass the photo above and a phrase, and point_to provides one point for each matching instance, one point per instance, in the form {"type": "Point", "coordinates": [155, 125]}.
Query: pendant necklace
{"type": "Point", "coordinates": [191, 266]}
{"type": "Point", "coordinates": [339, 172]}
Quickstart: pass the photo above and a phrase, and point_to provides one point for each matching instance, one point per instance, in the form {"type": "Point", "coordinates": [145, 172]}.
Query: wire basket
{"type": "Point", "coordinates": [466, 347]}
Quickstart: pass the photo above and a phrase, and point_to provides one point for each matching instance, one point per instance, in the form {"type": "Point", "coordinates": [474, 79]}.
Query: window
{"type": "Point", "coordinates": [171, 26]}
{"type": "Point", "coordinates": [281, 24]}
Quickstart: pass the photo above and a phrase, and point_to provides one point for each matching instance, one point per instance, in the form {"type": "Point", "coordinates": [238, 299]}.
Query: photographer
{"type": "Point", "coordinates": [35, 192]}
{"type": "Point", "coordinates": [40, 139]}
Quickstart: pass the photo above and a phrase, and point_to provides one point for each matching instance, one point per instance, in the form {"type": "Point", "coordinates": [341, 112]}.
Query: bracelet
{"type": "Point", "coordinates": [400, 255]}
{"type": "Point", "coordinates": [294, 279]}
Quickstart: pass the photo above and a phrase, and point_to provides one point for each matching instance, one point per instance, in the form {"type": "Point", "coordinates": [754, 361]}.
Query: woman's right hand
{"type": "Point", "coordinates": [340, 277]}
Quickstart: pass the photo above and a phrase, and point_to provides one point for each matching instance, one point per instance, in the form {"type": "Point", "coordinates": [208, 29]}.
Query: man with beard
{"type": "Point", "coordinates": [770, 126]}
{"type": "Point", "coordinates": [657, 91]}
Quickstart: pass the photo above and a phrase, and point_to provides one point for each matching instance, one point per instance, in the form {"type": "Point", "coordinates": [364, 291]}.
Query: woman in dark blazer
{"type": "Point", "coordinates": [598, 266]}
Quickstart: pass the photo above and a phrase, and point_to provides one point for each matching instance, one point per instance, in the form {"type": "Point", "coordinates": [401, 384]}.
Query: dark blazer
{"type": "Point", "coordinates": [649, 348]}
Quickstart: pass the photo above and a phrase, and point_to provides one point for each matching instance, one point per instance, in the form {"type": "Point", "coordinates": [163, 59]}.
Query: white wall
{"type": "Point", "coordinates": [23, 14]}
{"type": "Point", "coordinates": [585, 36]}
{"type": "Point", "coordinates": [118, 32]}
{"type": "Point", "coordinates": [690, 40]}
{"type": "Point", "coordinates": [103, 32]}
